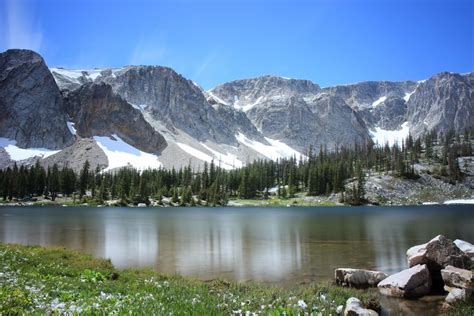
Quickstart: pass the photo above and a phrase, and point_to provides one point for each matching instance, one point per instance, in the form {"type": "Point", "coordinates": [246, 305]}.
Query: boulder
{"type": "Point", "coordinates": [437, 254]}
{"type": "Point", "coordinates": [458, 278]}
{"type": "Point", "coordinates": [410, 283]}
{"type": "Point", "coordinates": [354, 307]}
{"type": "Point", "coordinates": [456, 294]}
{"type": "Point", "coordinates": [358, 278]}
{"type": "Point", "coordinates": [466, 247]}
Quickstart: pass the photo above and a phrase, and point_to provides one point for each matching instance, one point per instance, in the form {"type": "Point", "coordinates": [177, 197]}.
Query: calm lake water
{"type": "Point", "coordinates": [281, 245]}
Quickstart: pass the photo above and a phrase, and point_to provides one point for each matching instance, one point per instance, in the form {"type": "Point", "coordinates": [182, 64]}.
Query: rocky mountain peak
{"type": "Point", "coordinates": [30, 102]}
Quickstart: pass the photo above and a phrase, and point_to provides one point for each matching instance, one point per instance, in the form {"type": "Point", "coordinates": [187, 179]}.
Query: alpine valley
{"type": "Point", "coordinates": [152, 117]}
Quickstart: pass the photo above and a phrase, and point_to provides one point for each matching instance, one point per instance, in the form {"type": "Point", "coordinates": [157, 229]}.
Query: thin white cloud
{"type": "Point", "coordinates": [19, 27]}
{"type": "Point", "coordinates": [149, 52]}
{"type": "Point", "coordinates": [204, 65]}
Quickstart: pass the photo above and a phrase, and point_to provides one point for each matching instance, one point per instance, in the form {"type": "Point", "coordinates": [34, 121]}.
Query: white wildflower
{"type": "Point", "coordinates": [302, 304]}
{"type": "Point", "coordinates": [339, 309]}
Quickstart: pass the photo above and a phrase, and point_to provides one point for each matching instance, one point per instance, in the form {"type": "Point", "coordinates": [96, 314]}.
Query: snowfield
{"type": "Point", "coordinates": [226, 161]}
{"type": "Point", "coordinates": [379, 101]}
{"type": "Point", "coordinates": [72, 129]}
{"type": "Point", "coordinates": [120, 154]}
{"type": "Point", "coordinates": [460, 201]}
{"type": "Point", "coordinates": [275, 150]}
{"type": "Point", "coordinates": [16, 153]}
{"type": "Point", "coordinates": [408, 95]}
{"type": "Point", "coordinates": [382, 136]}
{"type": "Point", "coordinates": [217, 98]}
{"type": "Point", "coordinates": [247, 107]}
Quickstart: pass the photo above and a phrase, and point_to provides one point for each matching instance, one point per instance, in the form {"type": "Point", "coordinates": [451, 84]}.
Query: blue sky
{"type": "Point", "coordinates": [211, 42]}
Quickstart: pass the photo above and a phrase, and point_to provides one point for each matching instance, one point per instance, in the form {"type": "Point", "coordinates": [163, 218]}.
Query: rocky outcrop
{"type": "Point", "coordinates": [354, 307]}
{"type": "Point", "coordinates": [458, 282]}
{"type": "Point", "coordinates": [437, 254]}
{"type": "Point", "coordinates": [466, 247]}
{"type": "Point", "coordinates": [5, 160]}
{"type": "Point", "coordinates": [358, 278]}
{"type": "Point", "coordinates": [169, 98]}
{"type": "Point", "coordinates": [84, 149]}
{"type": "Point", "coordinates": [441, 103]}
{"type": "Point", "coordinates": [98, 111]}
{"type": "Point", "coordinates": [410, 283]}
{"type": "Point", "coordinates": [456, 294]}
{"type": "Point", "coordinates": [460, 278]}
{"type": "Point", "coordinates": [32, 111]}
{"type": "Point", "coordinates": [294, 111]}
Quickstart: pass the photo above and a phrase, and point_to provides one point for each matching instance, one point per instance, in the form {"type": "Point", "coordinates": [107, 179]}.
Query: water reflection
{"type": "Point", "coordinates": [274, 245]}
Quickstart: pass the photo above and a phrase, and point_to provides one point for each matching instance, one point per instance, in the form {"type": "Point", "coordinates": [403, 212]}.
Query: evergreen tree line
{"type": "Point", "coordinates": [320, 172]}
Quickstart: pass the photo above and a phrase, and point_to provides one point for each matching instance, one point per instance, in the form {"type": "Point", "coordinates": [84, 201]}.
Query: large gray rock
{"type": "Point", "coordinates": [410, 283]}
{"type": "Point", "coordinates": [460, 278]}
{"type": "Point", "coordinates": [466, 247]}
{"type": "Point", "coordinates": [31, 107]}
{"type": "Point", "coordinates": [354, 307]}
{"type": "Point", "coordinates": [98, 111]}
{"type": "Point", "coordinates": [358, 278]}
{"type": "Point", "coordinates": [437, 254]}
{"type": "Point", "coordinates": [456, 294]}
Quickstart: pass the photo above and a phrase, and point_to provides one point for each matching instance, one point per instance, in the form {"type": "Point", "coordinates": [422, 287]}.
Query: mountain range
{"type": "Point", "coordinates": [151, 116]}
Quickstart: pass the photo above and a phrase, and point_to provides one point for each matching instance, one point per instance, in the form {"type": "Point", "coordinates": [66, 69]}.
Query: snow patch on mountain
{"type": "Point", "coordinates": [226, 161]}
{"type": "Point", "coordinates": [74, 75]}
{"type": "Point", "coordinates": [72, 129]}
{"type": "Point", "coordinates": [408, 95]}
{"type": "Point", "coordinates": [275, 150]}
{"type": "Point", "coordinates": [120, 154]}
{"type": "Point", "coordinates": [382, 136]}
{"type": "Point", "coordinates": [195, 152]}
{"type": "Point", "coordinates": [247, 107]}
{"type": "Point", "coordinates": [16, 153]}
{"type": "Point", "coordinates": [379, 101]}
{"type": "Point", "coordinates": [217, 98]}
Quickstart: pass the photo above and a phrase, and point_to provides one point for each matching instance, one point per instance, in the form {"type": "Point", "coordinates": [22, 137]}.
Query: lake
{"type": "Point", "coordinates": [274, 245]}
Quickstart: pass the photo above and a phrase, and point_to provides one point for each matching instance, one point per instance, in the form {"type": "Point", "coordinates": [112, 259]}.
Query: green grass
{"type": "Point", "coordinates": [56, 280]}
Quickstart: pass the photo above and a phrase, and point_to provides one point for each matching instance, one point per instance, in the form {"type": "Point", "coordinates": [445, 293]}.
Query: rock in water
{"type": "Point", "coordinates": [410, 283]}
{"type": "Point", "coordinates": [437, 254]}
{"type": "Point", "coordinates": [466, 247]}
{"type": "Point", "coordinates": [458, 282]}
{"type": "Point", "coordinates": [455, 277]}
{"type": "Point", "coordinates": [456, 294]}
{"type": "Point", "coordinates": [354, 307]}
{"type": "Point", "coordinates": [358, 278]}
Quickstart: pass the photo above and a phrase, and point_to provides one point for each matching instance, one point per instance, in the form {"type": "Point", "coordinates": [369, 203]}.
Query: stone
{"type": "Point", "coordinates": [458, 278]}
{"type": "Point", "coordinates": [410, 283]}
{"type": "Point", "coordinates": [354, 307]}
{"type": "Point", "coordinates": [437, 254]}
{"type": "Point", "coordinates": [465, 246]}
{"type": "Point", "coordinates": [358, 278]}
{"type": "Point", "coordinates": [458, 295]}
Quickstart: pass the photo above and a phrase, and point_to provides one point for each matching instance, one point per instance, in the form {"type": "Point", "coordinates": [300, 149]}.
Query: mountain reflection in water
{"type": "Point", "coordinates": [284, 245]}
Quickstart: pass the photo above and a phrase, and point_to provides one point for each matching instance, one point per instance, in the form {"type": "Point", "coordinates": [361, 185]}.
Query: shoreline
{"type": "Point", "coordinates": [59, 280]}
